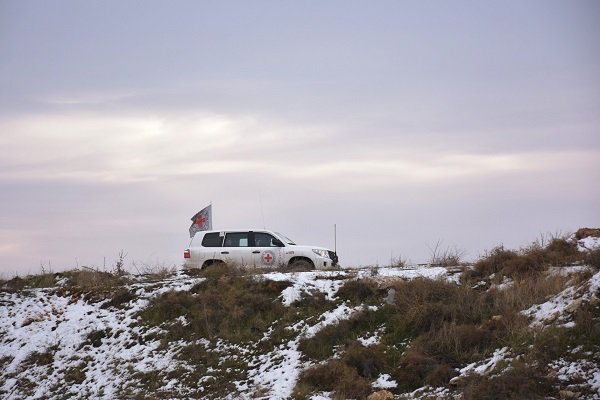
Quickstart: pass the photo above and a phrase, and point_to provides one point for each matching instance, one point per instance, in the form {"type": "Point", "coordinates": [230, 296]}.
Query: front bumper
{"type": "Point", "coordinates": [334, 258]}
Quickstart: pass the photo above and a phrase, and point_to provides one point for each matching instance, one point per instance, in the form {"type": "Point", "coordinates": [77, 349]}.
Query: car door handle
{"type": "Point", "coordinates": [224, 252]}
{"type": "Point", "coordinates": [256, 252]}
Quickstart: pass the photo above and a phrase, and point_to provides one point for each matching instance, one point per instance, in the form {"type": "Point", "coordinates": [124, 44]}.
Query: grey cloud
{"type": "Point", "coordinates": [472, 123]}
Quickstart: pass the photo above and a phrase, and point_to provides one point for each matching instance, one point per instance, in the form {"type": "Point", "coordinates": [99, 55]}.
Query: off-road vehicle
{"type": "Point", "coordinates": [260, 248]}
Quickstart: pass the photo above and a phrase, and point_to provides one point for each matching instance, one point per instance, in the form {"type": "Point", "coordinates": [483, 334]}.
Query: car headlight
{"type": "Point", "coordinates": [322, 253]}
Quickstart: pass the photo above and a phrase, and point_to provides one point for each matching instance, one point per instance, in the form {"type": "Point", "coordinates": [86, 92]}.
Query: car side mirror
{"type": "Point", "coordinates": [277, 243]}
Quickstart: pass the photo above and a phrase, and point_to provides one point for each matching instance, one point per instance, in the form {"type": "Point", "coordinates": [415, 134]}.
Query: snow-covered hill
{"type": "Point", "coordinates": [420, 332]}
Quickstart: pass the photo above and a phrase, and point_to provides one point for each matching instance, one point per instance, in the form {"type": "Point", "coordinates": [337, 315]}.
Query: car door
{"type": "Point", "coordinates": [236, 248]}
{"type": "Point", "coordinates": [267, 250]}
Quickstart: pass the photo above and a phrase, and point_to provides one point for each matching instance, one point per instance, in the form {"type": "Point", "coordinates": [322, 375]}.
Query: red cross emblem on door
{"type": "Point", "coordinates": [267, 257]}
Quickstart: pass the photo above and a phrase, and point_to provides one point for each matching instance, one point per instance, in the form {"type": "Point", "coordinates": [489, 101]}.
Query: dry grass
{"type": "Point", "coordinates": [585, 232]}
{"type": "Point", "coordinates": [334, 376]}
{"type": "Point", "coordinates": [154, 272]}
{"type": "Point", "coordinates": [225, 305]}
{"type": "Point", "coordinates": [529, 260]}
{"type": "Point", "coordinates": [448, 326]}
{"type": "Point", "coordinates": [16, 284]}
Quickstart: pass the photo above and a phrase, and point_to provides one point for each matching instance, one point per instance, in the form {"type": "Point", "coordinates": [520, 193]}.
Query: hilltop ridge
{"type": "Point", "coordinates": [515, 324]}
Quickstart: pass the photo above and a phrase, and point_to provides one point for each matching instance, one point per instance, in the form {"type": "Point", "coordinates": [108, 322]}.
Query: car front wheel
{"type": "Point", "coordinates": [301, 265]}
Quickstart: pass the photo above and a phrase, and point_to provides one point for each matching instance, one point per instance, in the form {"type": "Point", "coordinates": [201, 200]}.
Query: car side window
{"type": "Point", "coordinates": [212, 240]}
{"type": "Point", "coordinates": [236, 239]}
{"type": "Point", "coordinates": [262, 239]}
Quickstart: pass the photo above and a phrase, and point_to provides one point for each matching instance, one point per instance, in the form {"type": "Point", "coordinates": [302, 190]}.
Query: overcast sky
{"type": "Point", "coordinates": [406, 123]}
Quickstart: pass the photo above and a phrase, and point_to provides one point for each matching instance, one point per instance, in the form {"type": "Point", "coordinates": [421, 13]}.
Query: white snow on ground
{"type": "Point", "coordinates": [329, 318]}
{"type": "Point", "coordinates": [505, 284]}
{"type": "Point", "coordinates": [321, 396]}
{"type": "Point", "coordinates": [428, 392]}
{"type": "Point", "coordinates": [305, 283]}
{"type": "Point", "coordinates": [40, 320]}
{"type": "Point", "coordinates": [568, 270]}
{"type": "Point", "coordinates": [589, 243]}
{"type": "Point", "coordinates": [406, 273]}
{"type": "Point", "coordinates": [556, 308]}
{"type": "Point", "coordinates": [372, 339]}
{"type": "Point", "coordinates": [580, 370]}
{"type": "Point", "coordinates": [487, 365]}
{"type": "Point", "coordinates": [552, 310]}
{"type": "Point", "coordinates": [35, 320]}
{"type": "Point", "coordinates": [279, 369]}
{"type": "Point", "coordinates": [385, 382]}
{"type": "Point", "coordinates": [329, 282]}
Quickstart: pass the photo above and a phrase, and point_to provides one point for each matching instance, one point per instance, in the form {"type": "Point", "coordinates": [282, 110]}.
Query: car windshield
{"type": "Point", "coordinates": [285, 238]}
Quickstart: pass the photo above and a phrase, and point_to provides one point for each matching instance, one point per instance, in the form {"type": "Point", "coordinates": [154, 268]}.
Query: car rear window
{"type": "Point", "coordinates": [212, 240]}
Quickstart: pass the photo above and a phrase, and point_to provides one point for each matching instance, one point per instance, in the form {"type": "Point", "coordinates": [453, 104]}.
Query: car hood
{"type": "Point", "coordinates": [309, 248]}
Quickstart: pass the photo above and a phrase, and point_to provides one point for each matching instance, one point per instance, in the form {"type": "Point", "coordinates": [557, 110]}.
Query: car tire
{"type": "Point", "coordinates": [301, 265]}
{"type": "Point", "coordinates": [212, 263]}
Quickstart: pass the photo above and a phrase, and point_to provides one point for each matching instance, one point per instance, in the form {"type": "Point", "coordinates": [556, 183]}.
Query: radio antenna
{"type": "Point", "coordinates": [335, 238]}
{"type": "Point", "coordinates": [261, 209]}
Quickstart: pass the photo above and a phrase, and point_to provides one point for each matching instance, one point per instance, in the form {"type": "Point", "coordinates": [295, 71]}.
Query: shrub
{"type": "Point", "coordinates": [322, 345]}
{"type": "Point", "coordinates": [120, 297]}
{"type": "Point", "coordinates": [533, 259]}
{"type": "Point", "coordinates": [360, 291]}
{"type": "Point", "coordinates": [519, 382]}
{"type": "Point", "coordinates": [41, 358]}
{"type": "Point", "coordinates": [229, 307]}
{"type": "Point", "coordinates": [334, 376]}
{"type": "Point", "coordinates": [16, 284]}
{"type": "Point", "coordinates": [585, 232]}
{"type": "Point", "coordinates": [312, 304]}
{"type": "Point", "coordinates": [592, 258]}
{"type": "Point", "coordinates": [457, 344]}
{"type": "Point", "coordinates": [75, 374]}
{"type": "Point", "coordinates": [524, 293]}
{"type": "Point", "coordinates": [424, 304]}
{"type": "Point", "coordinates": [413, 369]}
{"type": "Point", "coordinates": [493, 262]}
{"type": "Point", "coordinates": [367, 361]}
{"type": "Point", "coordinates": [95, 338]}
{"type": "Point", "coordinates": [524, 265]}
{"type": "Point", "coordinates": [157, 272]}
{"type": "Point", "coordinates": [440, 375]}
{"type": "Point", "coordinates": [94, 284]}
{"type": "Point", "coordinates": [13, 285]}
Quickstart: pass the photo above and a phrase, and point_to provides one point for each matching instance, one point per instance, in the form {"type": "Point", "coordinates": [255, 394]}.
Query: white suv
{"type": "Point", "coordinates": [259, 248]}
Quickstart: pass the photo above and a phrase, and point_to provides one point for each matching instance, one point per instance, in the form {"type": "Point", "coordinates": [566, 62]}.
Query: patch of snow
{"type": "Point", "coordinates": [506, 283]}
{"type": "Point", "coordinates": [580, 370]}
{"type": "Point", "coordinates": [555, 308]}
{"type": "Point", "coordinates": [551, 310]}
{"type": "Point", "coordinates": [568, 270]}
{"type": "Point", "coordinates": [330, 317]}
{"type": "Point", "coordinates": [39, 320]}
{"type": "Point", "coordinates": [306, 283]}
{"type": "Point", "coordinates": [373, 339]}
{"type": "Point", "coordinates": [594, 285]}
{"type": "Point", "coordinates": [279, 369]}
{"type": "Point", "coordinates": [405, 273]}
{"type": "Point", "coordinates": [428, 392]}
{"type": "Point", "coordinates": [321, 396]}
{"type": "Point", "coordinates": [485, 366]}
{"type": "Point", "coordinates": [588, 243]}
{"type": "Point", "coordinates": [385, 382]}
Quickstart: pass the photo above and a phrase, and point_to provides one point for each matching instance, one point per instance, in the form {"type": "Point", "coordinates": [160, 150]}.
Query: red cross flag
{"type": "Point", "coordinates": [201, 221]}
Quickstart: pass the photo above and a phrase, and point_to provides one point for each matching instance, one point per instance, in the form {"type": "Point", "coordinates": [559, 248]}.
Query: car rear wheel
{"type": "Point", "coordinates": [212, 263]}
